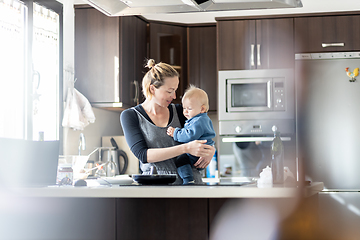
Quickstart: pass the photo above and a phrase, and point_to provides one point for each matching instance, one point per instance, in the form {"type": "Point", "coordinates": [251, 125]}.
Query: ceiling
{"type": "Point", "coordinates": [310, 6]}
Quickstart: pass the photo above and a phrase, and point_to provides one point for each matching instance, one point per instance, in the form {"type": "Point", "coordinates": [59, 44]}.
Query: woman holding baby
{"type": "Point", "coordinates": [145, 126]}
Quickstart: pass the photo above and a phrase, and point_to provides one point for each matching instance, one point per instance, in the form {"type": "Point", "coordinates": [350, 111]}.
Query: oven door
{"type": "Point", "coordinates": [249, 95]}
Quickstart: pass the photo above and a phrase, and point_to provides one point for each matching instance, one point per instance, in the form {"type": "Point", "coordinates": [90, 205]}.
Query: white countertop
{"type": "Point", "coordinates": [133, 191]}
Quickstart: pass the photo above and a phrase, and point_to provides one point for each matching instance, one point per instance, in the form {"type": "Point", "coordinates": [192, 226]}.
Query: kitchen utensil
{"type": "Point", "coordinates": [133, 162]}
{"type": "Point", "coordinates": [117, 154]}
{"type": "Point", "coordinates": [155, 179]}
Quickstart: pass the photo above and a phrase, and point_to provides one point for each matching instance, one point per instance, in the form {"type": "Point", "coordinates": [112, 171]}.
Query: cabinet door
{"type": "Point", "coordinates": [202, 61]}
{"type": "Point", "coordinates": [236, 44]}
{"type": "Point", "coordinates": [133, 55]}
{"type": "Point", "coordinates": [162, 218]}
{"type": "Point", "coordinates": [312, 32]}
{"type": "Point", "coordinates": [274, 43]}
{"type": "Point", "coordinates": [168, 44]}
{"type": "Point", "coordinates": [96, 55]}
{"type": "Point", "coordinates": [141, 53]}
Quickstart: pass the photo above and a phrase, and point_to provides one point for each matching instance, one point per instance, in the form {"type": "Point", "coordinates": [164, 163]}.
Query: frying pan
{"type": "Point", "coordinates": [154, 179]}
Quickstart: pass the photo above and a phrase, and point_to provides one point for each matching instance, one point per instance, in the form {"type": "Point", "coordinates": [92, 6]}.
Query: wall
{"type": "Point", "coordinates": [107, 122]}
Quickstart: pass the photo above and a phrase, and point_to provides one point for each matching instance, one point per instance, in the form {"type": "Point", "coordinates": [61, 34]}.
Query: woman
{"type": "Point", "coordinates": [145, 125]}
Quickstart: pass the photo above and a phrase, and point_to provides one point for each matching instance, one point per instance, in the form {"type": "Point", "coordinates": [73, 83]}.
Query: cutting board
{"type": "Point", "coordinates": [133, 166]}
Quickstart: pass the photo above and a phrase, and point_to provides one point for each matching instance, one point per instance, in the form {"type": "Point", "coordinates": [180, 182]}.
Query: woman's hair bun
{"type": "Point", "coordinates": [150, 63]}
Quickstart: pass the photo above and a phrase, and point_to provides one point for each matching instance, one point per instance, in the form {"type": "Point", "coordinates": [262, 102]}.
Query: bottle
{"type": "Point", "coordinates": [212, 168]}
{"type": "Point", "coordinates": [41, 136]}
{"type": "Point", "coordinates": [277, 157]}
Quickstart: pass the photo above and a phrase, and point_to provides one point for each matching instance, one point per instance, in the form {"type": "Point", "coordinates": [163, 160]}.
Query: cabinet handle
{"type": "Point", "coordinates": [252, 61]}
{"type": "Point", "coordinates": [258, 55]}
{"type": "Point", "coordinates": [324, 45]}
{"type": "Point", "coordinates": [252, 139]}
{"type": "Point", "coordinates": [136, 98]}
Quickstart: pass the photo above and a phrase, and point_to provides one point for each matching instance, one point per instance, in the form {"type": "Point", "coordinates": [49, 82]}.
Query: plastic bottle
{"type": "Point", "coordinates": [212, 168]}
{"type": "Point", "coordinates": [277, 157]}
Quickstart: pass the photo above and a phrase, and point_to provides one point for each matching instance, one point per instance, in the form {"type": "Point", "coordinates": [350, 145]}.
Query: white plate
{"type": "Point", "coordinates": [119, 179]}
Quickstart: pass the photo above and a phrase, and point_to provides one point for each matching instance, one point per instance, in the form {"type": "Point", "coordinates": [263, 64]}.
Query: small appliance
{"type": "Point", "coordinates": [251, 102]}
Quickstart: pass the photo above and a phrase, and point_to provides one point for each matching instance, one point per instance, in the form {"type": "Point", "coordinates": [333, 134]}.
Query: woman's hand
{"type": "Point", "coordinates": [203, 162]}
{"type": "Point", "coordinates": [200, 149]}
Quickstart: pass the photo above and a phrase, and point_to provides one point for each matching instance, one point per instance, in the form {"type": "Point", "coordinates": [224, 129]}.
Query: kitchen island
{"type": "Point", "coordinates": [153, 191]}
{"type": "Point", "coordinates": [130, 212]}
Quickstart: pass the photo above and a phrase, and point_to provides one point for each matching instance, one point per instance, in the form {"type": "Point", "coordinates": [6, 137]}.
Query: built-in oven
{"type": "Point", "coordinates": [251, 103]}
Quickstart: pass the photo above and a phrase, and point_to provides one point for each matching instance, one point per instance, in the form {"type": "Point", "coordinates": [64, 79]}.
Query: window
{"type": "Point", "coordinates": [30, 69]}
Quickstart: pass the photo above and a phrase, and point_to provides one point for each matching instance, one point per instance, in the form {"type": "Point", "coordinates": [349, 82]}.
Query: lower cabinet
{"type": "Point", "coordinates": [53, 218]}
{"type": "Point", "coordinates": [57, 218]}
{"type": "Point", "coordinates": [166, 218]}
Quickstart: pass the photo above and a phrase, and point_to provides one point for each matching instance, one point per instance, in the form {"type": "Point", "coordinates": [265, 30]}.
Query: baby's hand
{"type": "Point", "coordinates": [170, 131]}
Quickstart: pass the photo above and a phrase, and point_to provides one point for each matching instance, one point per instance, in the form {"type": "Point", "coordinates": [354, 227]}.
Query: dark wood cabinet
{"type": "Point", "coordinates": [168, 44]}
{"type": "Point", "coordinates": [162, 218]}
{"type": "Point", "coordinates": [166, 218]}
{"type": "Point", "coordinates": [311, 33]}
{"type": "Point", "coordinates": [109, 57]}
{"type": "Point", "coordinates": [255, 44]}
{"type": "Point", "coordinates": [235, 39]}
{"type": "Point", "coordinates": [202, 61]}
{"type": "Point", "coordinates": [133, 54]}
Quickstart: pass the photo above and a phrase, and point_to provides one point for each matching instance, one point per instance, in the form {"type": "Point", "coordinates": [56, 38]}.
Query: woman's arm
{"type": "Point", "coordinates": [136, 141]}
{"type": "Point", "coordinates": [197, 148]}
{"type": "Point", "coordinates": [133, 135]}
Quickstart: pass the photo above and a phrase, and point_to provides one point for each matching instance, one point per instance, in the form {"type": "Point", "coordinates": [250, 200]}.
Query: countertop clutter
{"type": "Point", "coordinates": [114, 189]}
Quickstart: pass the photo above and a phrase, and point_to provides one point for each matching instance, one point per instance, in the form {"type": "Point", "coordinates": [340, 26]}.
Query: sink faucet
{"type": "Point", "coordinates": [82, 144]}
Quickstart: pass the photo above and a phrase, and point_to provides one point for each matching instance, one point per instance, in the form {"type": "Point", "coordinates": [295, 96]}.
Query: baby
{"type": "Point", "coordinates": [198, 126]}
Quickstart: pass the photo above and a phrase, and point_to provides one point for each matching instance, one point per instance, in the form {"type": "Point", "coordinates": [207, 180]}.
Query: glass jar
{"type": "Point", "coordinates": [65, 175]}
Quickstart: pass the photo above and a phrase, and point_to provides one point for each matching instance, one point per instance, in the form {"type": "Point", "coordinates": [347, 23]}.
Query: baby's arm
{"type": "Point", "coordinates": [170, 131]}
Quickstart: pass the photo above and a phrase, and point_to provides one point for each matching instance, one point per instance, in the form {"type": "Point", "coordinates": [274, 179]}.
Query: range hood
{"type": "Point", "coordinates": [140, 7]}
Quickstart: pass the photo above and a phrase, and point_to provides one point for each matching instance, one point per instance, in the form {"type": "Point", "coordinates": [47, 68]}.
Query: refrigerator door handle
{"type": "Point", "coordinates": [252, 60]}
{"type": "Point", "coordinates": [258, 55]}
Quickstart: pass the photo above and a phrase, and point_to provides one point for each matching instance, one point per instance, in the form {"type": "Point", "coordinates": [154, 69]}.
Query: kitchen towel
{"type": "Point", "coordinates": [78, 111]}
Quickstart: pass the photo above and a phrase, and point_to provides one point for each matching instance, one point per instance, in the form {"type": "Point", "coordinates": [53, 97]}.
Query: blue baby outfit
{"type": "Point", "coordinates": [199, 127]}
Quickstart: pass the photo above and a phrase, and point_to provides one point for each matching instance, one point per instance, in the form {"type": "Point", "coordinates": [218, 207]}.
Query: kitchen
{"type": "Point", "coordinates": [107, 123]}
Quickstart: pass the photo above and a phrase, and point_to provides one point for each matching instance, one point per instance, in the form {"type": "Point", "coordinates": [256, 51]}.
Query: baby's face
{"type": "Point", "coordinates": [192, 107]}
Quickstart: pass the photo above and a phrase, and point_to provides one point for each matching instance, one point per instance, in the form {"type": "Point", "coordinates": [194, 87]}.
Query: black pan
{"type": "Point", "coordinates": [154, 179]}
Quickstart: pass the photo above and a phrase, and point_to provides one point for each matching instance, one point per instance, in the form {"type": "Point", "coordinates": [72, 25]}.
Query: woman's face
{"type": "Point", "coordinates": [167, 92]}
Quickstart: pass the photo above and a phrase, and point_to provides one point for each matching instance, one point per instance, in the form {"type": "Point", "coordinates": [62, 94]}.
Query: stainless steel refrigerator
{"type": "Point", "coordinates": [328, 131]}
{"type": "Point", "coordinates": [328, 117]}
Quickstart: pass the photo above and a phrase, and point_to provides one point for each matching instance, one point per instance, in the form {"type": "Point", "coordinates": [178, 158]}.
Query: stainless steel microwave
{"type": "Point", "coordinates": [252, 101]}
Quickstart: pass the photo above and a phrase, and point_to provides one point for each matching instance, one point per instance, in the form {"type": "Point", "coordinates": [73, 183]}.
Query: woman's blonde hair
{"type": "Point", "coordinates": [198, 94]}
{"type": "Point", "coordinates": [156, 75]}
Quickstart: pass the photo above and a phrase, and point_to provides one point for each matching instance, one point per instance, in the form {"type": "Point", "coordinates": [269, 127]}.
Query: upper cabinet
{"type": "Point", "coordinates": [202, 61]}
{"type": "Point", "coordinates": [109, 57]}
{"type": "Point", "coordinates": [255, 44]}
{"type": "Point", "coordinates": [133, 56]}
{"type": "Point", "coordinates": [327, 34]}
{"type": "Point", "coordinates": [168, 44]}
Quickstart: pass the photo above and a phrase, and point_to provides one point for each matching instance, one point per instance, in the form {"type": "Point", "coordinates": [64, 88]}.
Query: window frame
{"type": "Point", "coordinates": [58, 8]}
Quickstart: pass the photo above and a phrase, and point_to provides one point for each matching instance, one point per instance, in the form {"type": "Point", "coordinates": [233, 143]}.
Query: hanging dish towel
{"type": "Point", "coordinates": [78, 112]}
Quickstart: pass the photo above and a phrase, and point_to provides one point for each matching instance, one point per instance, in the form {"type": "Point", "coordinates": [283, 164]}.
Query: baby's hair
{"type": "Point", "coordinates": [156, 75]}
{"type": "Point", "coordinates": [197, 93]}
